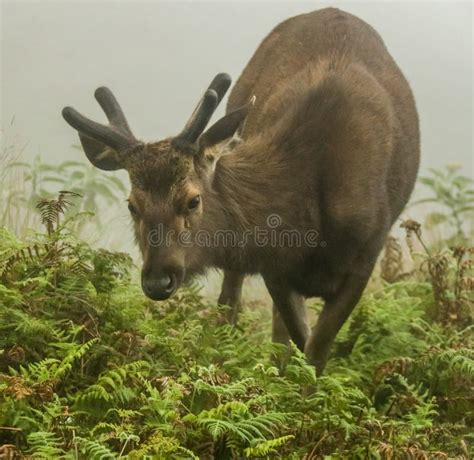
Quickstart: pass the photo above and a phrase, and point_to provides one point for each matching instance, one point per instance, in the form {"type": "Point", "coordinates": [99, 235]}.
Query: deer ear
{"type": "Point", "coordinates": [223, 129]}
{"type": "Point", "coordinates": [100, 155]}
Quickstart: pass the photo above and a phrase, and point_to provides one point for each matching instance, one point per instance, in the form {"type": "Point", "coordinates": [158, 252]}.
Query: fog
{"type": "Point", "coordinates": [159, 56]}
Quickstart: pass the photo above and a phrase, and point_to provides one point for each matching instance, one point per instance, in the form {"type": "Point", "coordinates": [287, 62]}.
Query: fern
{"type": "Point", "coordinates": [159, 446]}
{"type": "Point", "coordinates": [44, 445]}
{"type": "Point", "coordinates": [93, 450]}
{"type": "Point", "coordinates": [52, 209]}
{"type": "Point", "coordinates": [268, 447]}
{"type": "Point", "coordinates": [91, 369]}
{"type": "Point", "coordinates": [74, 352]}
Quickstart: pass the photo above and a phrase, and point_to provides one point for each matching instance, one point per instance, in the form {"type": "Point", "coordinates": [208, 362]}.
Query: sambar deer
{"type": "Point", "coordinates": [330, 144]}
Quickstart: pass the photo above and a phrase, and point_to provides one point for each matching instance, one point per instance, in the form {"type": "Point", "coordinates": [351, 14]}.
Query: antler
{"type": "Point", "coordinates": [205, 108]}
{"type": "Point", "coordinates": [117, 135]}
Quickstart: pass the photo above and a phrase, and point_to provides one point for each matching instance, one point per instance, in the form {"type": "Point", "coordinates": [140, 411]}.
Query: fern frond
{"type": "Point", "coordinates": [44, 445]}
{"type": "Point", "coordinates": [94, 450]}
{"type": "Point", "coordinates": [267, 447]}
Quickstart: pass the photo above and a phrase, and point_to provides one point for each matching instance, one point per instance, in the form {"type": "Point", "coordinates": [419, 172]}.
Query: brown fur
{"type": "Point", "coordinates": [332, 145]}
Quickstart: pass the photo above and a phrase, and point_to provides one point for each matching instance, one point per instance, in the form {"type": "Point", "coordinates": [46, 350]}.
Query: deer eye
{"type": "Point", "coordinates": [133, 210]}
{"type": "Point", "coordinates": [194, 202]}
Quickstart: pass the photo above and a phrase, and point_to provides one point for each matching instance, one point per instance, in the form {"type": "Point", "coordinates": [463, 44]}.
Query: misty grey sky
{"type": "Point", "coordinates": [159, 56]}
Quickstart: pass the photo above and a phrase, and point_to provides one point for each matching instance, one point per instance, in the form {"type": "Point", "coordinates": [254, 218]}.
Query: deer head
{"type": "Point", "coordinates": [168, 178]}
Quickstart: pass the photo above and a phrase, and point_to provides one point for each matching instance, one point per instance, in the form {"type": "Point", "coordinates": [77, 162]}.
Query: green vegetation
{"type": "Point", "coordinates": [23, 184]}
{"type": "Point", "coordinates": [91, 369]}
{"type": "Point", "coordinates": [454, 193]}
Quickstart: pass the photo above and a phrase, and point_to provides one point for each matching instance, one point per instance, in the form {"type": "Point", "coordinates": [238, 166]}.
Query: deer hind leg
{"type": "Point", "coordinates": [289, 315]}
{"type": "Point", "coordinates": [337, 309]}
{"type": "Point", "coordinates": [231, 294]}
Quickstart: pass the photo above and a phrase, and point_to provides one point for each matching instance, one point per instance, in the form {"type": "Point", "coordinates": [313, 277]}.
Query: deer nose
{"type": "Point", "coordinates": [159, 287]}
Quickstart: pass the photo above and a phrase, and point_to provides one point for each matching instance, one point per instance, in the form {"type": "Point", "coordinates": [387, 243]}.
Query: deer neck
{"type": "Point", "coordinates": [243, 190]}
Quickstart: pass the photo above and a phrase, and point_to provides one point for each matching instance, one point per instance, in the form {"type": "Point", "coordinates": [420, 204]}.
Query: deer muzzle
{"type": "Point", "coordinates": [163, 284]}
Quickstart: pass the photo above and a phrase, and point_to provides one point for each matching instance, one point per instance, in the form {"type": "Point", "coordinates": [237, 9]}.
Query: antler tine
{"type": "Point", "coordinates": [206, 107]}
{"type": "Point", "coordinates": [118, 135]}
{"type": "Point", "coordinates": [200, 117]}
{"type": "Point", "coordinates": [112, 109]}
{"type": "Point", "coordinates": [220, 84]}
{"type": "Point", "coordinates": [109, 136]}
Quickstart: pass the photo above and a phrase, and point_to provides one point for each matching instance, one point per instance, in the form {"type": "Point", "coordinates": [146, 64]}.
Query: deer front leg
{"type": "Point", "coordinates": [279, 330]}
{"type": "Point", "coordinates": [289, 314]}
{"type": "Point", "coordinates": [231, 294]}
